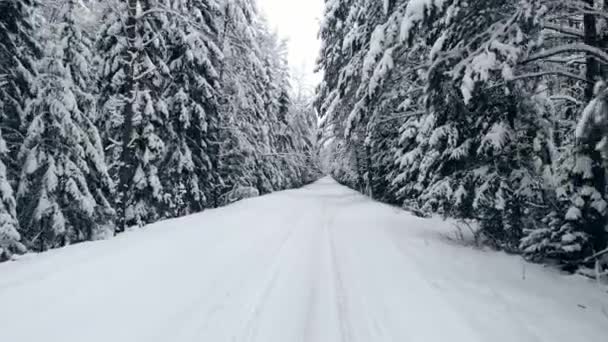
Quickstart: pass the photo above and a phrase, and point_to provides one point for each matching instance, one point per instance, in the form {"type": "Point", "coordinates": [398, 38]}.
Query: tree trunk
{"type": "Point", "coordinates": [368, 157]}
{"type": "Point", "coordinates": [603, 40]}
{"type": "Point", "coordinates": [127, 156]}
{"type": "Point", "coordinates": [360, 179]}
{"type": "Point", "coordinates": [591, 39]}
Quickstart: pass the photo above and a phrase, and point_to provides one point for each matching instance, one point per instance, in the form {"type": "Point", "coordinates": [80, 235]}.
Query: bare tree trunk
{"type": "Point", "coordinates": [127, 156]}
{"type": "Point", "coordinates": [368, 157]}
{"type": "Point", "coordinates": [603, 40]}
{"type": "Point", "coordinates": [360, 179]}
{"type": "Point", "coordinates": [591, 39]}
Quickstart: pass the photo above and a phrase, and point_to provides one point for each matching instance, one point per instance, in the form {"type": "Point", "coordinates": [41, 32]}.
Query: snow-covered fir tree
{"type": "Point", "coordinates": [189, 169]}
{"type": "Point", "coordinates": [241, 102]}
{"type": "Point", "coordinates": [340, 60]}
{"type": "Point", "coordinates": [262, 149]}
{"type": "Point", "coordinates": [64, 183]}
{"type": "Point", "coordinates": [19, 51]}
{"type": "Point", "coordinates": [134, 76]}
{"type": "Point", "coordinates": [9, 226]}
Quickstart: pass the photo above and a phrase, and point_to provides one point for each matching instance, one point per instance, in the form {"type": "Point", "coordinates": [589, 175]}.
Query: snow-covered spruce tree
{"type": "Point", "coordinates": [582, 232]}
{"type": "Point", "coordinates": [585, 233]}
{"type": "Point", "coordinates": [19, 49]}
{"type": "Point", "coordinates": [281, 157]}
{"type": "Point", "coordinates": [575, 57]}
{"type": "Point", "coordinates": [359, 82]}
{"type": "Point", "coordinates": [281, 163]}
{"type": "Point", "coordinates": [134, 77]}
{"type": "Point", "coordinates": [295, 125]}
{"type": "Point", "coordinates": [336, 61]}
{"type": "Point", "coordinates": [64, 180]}
{"type": "Point", "coordinates": [302, 124]}
{"type": "Point", "coordinates": [267, 160]}
{"type": "Point", "coordinates": [241, 104]}
{"type": "Point", "coordinates": [556, 163]}
{"type": "Point", "coordinates": [473, 165]}
{"type": "Point", "coordinates": [286, 137]}
{"type": "Point", "coordinates": [9, 226]}
{"type": "Point", "coordinates": [383, 141]}
{"type": "Point", "coordinates": [263, 147]}
{"type": "Point", "coordinates": [250, 102]}
{"type": "Point", "coordinates": [386, 95]}
{"type": "Point", "coordinates": [188, 171]}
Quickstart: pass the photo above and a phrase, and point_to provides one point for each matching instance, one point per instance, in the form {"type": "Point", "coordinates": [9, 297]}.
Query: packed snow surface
{"type": "Point", "coordinates": [322, 263]}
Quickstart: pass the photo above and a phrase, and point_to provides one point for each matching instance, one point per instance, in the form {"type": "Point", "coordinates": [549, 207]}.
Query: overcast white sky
{"type": "Point", "coordinates": [297, 20]}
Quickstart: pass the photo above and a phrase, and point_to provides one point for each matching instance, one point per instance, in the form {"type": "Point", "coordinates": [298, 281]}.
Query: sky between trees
{"type": "Point", "coordinates": [297, 21]}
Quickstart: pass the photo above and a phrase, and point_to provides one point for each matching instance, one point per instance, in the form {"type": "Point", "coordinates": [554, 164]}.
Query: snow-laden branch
{"type": "Point", "coordinates": [596, 255]}
{"type": "Point", "coordinates": [569, 48]}
{"type": "Point", "coordinates": [579, 7]}
{"type": "Point", "coordinates": [567, 98]}
{"type": "Point", "coordinates": [550, 73]}
{"type": "Point", "coordinates": [397, 116]}
{"type": "Point", "coordinates": [564, 30]}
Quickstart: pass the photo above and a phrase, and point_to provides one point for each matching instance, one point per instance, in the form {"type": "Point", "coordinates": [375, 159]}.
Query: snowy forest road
{"type": "Point", "coordinates": [322, 263]}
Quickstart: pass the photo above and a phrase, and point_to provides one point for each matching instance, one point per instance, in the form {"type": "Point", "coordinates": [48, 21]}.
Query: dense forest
{"type": "Point", "coordinates": [116, 114]}
{"type": "Point", "coordinates": [445, 165]}
{"type": "Point", "coordinates": [120, 113]}
{"type": "Point", "coordinates": [492, 112]}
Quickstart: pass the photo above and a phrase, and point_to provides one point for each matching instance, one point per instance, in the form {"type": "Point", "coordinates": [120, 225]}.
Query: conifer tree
{"type": "Point", "coordinates": [192, 94]}
{"type": "Point", "coordinates": [9, 234]}
{"type": "Point", "coordinates": [64, 180]}
{"type": "Point", "coordinates": [19, 49]}
{"type": "Point", "coordinates": [242, 104]}
{"type": "Point", "coordinates": [134, 75]}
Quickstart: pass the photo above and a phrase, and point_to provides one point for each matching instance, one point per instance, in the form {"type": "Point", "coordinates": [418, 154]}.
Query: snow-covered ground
{"type": "Point", "coordinates": [317, 264]}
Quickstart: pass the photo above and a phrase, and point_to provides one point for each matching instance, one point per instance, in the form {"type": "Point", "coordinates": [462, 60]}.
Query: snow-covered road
{"type": "Point", "coordinates": [317, 264]}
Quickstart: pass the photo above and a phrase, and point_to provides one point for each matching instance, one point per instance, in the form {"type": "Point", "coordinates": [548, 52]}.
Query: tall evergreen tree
{"type": "Point", "coordinates": [190, 167]}
{"type": "Point", "coordinates": [134, 75]}
{"type": "Point", "coordinates": [242, 104]}
{"type": "Point", "coordinates": [9, 235]}
{"type": "Point", "coordinates": [64, 180]}
{"type": "Point", "coordinates": [19, 49]}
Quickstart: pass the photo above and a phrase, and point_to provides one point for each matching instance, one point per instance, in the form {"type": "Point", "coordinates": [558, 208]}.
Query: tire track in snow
{"type": "Point", "coordinates": [226, 285]}
{"type": "Point", "coordinates": [341, 298]}
{"type": "Point", "coordinates": [308, 325]}
{"type": "Point", "coordinates": [250, 328]}
{"type": "Point", "coordinates": [367, 314]}
{"type": "Point", "coordinates": [223, 292]}
{"type": "Point", "coordinates": [319, 259]}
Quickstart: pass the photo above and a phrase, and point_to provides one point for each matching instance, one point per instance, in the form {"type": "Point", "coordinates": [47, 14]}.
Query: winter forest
{"type": "Point", "coordinates": [491, 112]}
{"type": "Point", "coordinates": [121, 113]}
{"type": "Point", "coordinates": [170, 171]}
